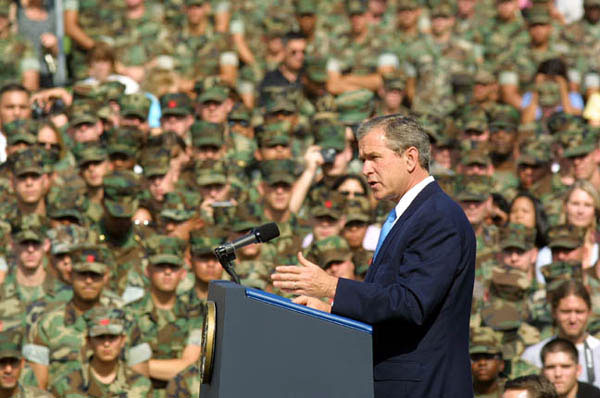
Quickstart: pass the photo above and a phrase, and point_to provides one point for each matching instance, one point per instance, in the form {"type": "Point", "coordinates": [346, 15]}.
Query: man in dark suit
{"type": "Point", "coordinates": [417, 293]}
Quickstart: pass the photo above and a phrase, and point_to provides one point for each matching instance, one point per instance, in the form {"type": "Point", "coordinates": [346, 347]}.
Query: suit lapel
{"type": "Point", "coordinates": [421, 198]}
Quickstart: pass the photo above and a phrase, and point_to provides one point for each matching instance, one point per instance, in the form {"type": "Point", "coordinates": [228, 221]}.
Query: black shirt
{"type": "Point", "coordinates": [586, 390]}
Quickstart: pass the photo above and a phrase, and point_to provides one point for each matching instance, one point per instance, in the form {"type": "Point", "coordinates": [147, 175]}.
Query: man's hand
{"type": "Point", "coordinates": [308, 279]}
{"type": "Point", "coordinates": [313, 303]}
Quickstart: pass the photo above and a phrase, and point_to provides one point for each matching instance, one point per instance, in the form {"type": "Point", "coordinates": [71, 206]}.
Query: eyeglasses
{"type": "Point", "coordinates": [54, 147]}
{"type": "Point", "coordinates": [352, 193]}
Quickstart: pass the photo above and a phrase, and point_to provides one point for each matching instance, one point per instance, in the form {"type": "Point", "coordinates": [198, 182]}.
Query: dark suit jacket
{"type": "Point", "coordinates": [417, 295]}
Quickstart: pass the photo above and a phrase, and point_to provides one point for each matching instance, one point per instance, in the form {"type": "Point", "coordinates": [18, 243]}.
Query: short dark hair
{"type": "Point", "coordinates": [537, 386]}
{"type": "Point", "coordinates": [571, 287]}
{"type": "Point", "coordinates": [292, 35]}
{"type": "Point", "coordinates": [13, 87]}
{"type": "Point", "coordinates": [560, 345]}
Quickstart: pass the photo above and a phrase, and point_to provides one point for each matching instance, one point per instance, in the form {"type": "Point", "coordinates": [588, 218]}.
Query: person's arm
{"type": "Point", "coordinates": [74, 31]}
{"type": "Point", "coordinates": [166, 369]}
{"type": "Point", "coordinates": [338, 84]}
{"type": "Point", "coordinates": [565, 101]}
{"type": "Point", "coordinates": [371, 82]}
{"type": "Point", "coordinates": [312, 161]}
{"type": "Point", "coordinates": [528, 114]}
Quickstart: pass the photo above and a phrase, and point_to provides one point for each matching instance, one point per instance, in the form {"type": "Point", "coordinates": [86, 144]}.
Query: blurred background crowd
{"type": "Point", "coordinates": [138, 135]}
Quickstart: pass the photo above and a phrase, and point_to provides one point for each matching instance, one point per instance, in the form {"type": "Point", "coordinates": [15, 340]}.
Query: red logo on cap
{"type": "Point", "coordinates": [104, 322]}
{"type": "Point", "coordinates": [172, 104]}
{"type": "Point", "coordinates": [328, 204]}
{"type": "Point", "coordinates": [90, 258]}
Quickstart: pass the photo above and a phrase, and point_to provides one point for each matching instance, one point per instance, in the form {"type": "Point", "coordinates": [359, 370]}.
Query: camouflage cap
{"type": "Point", "coordinates": [211, 172]}
{"type": "Point", "coordinates": [475, 122]}
{"type": "Point", "coordinates": [111, 90]}
{"type": "Point", "coordinates": [21, 131]}
{"type": "Point", "coordinates": [484, 77]}
{"type": "Point", "coordinates": [329, 250]}
{"type": "Point", "coordinates": [558, 272]}
{"type": "Point", "coordinates": [534, 152]}
{"type": "Point", "coordinates": [538, 14]}
{"type": "Point", "coordinates": [580, 142]}
{"type": "Point", "coordinates": [246, 217]}
{"type": "Point", "coordinates": [204, 241]}
{"type": "Point", "coordinates": [549, 93]}
{"type": "Point", "coordinates": [105, 321]}
{"type": "Point", "coordinates": [273, 134]}
{"type": "Point", "coordinates": [82, 116]}
{"type": "Point", "coordinates": [304, 7]}
{"type": "Point", "coordinates": [473, 188]}
{"type": "Point", "coordinates": [176, 208]}
{"type": "Point", "coordinates": [504, 122]}
{"type": "Point", "coordinates": [156, 163]}
{"type": "Point", "coordinates": [30, 160]}
{"type": "Point", "coordinates": [240, 113]}
{"type": "Point", "coordinates": [86, 152]}
{"type": "Point", "coordinates": [358, 209]}
{"type": "Point", "coordinates": [29, 227]}
{"type": "Point", "coordinates": [443, 10]}
{"type": "Point", "coordinates": [163, 249]}
{"type": "Point", "coordinates": [331, 135]}
{"type": "Point", "coordinates": [278, 170]}
{"type": "Point", "coordinates": [11, 344]}
{"type": "Point", "coordinates": [479, 155]}
{"type": "Point", "coordinates": [120, 193]}
{"type": "Point", "coordinates": [316, 69]}
{"type": "Point", "coordinates": [280, 103]}
{"type": "Point", "coordinates": [356, 7]}
{"type": "Point", "coordinates": [91, 258]}
{"type": "Point", "coordinates": [485, 340]}
{"type": "Point", "coordinates": [394, 81]}
{"type": "Point", "coordinates": [517, 235]}
{"type": "Point", "coordinates": [67, 238]}
{"type": "Point", "coordinates": [215, 93]}
{"type": "Point", "coordinates": [355, 106]}
{"type": "Point", "coordinates": [69, 204]}
{"type": "Point", "coordinates": [207, 134]}
{"type": "Point", "coordinates": [178, 104]}
{"type": "Point", "coordinates": [123, 140]}
{"type": "Point", "coordinates": [332, 206]}
{"type": "Point", "coordinates": [405, 5]}
{"type": "Point", "coordinates": [566, 236]}
{"type": "Point", "coordinates": [135, 105]}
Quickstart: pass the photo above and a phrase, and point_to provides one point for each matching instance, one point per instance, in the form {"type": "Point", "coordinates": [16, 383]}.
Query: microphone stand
{"type": "Point", "coordinates": [225, 254]}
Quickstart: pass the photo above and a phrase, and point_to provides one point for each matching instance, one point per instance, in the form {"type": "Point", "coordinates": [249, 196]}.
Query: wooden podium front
{"type": "Point", "coordinates": [260, 345]}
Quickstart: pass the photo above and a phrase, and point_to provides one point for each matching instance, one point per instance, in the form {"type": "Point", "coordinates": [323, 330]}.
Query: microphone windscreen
{"type": "Point", "coordinates": [267, 232]}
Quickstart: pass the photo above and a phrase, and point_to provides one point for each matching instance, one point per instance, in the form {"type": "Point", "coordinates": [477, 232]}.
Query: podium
{"type": "Point", "coordinates": [260, 345]}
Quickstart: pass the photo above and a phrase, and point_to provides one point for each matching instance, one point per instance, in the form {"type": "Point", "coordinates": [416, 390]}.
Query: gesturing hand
{"type": "Point", "coordinates": [306, 279]}
{"type": "Point", "coordinates": [312, 303]}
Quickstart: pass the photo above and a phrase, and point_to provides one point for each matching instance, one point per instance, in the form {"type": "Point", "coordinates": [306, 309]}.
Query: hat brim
{"type": "Point", "coordinates": [121, 209]}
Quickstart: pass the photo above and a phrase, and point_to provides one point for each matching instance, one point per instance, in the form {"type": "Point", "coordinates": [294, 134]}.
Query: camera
{"type": "Point", "coordinates": [328, 155]}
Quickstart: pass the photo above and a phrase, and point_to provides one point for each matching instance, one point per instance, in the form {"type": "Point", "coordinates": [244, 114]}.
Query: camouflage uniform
{"type": "Point", "coordinates": [485, 340]}
{"type": "Point", "coordinates": [359, 210]}
{"type": "Point", "coordinates": [186, 384]}
{"type": "Point", "coordinates": [86, 153]}
{"type": "Point", "coordinates": [328, 250]}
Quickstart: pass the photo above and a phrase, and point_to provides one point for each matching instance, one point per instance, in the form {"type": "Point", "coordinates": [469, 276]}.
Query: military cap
{"type": "Point", "coordinates": [565, 236]}
{"type": "Point", "coordinates": [91, 258]}
{"type": "Point", "coordinates": [538, 14]}
{"type": "Point", "coordinates": [509, 283]}
{"type": "Point", "coordinates": [279, 103]}
{"type": "Point", "coordinates": [403, 5]}
{"type": "Point", "coordinates": [316, 69]}
{"type": "Point", "coordinates": [67, 203]}
{"type": "Point", "coordinates": [394, 81]}
{"type": "Point", "coordinates": [549, 93]}
{"type": "Point", "coordinates": [443, 10]}
{"type": "Point", "coordinates": [580, 142]}
{"type": "Point", "coordinates": [354, 106]}
{"type": "Point", "coordinates": [215, 93]}
{"type": "Point", "coordinates": [304, 7]}
{"type": "Point", "coordinates": [105, 320]}
{"type": "Point", "coordinates": [124, 140]}
{"type": "Point", "coordinates": [358, 209]}
{"type": "Point", "coordinates": [278, 170]}
{"type": "Point", "coordinates": [82, 116]}
{"type": "Point", "coordinates": [120, 192]}
{"type": "Point", "coordinates": [503, 122]}
{"type": "Point", "coordinates": [175, 208]}
{"type": "Point", "coordinates": [534, 152]}
{"type": "Point", "coordinates": [558, 272]}
{"type": "Point", "coordinates": [67, 238]}
{"type": "Point", "coordinates": [331, 135]}
{"type": "Point", "coordinates": [163, 249]}
{"type": "Point", "coordinates": [332, 206]}
{"type": "Point", "coordinates": [178, 104]}
{"type": "Point", "coordinates": [273, 134]}
{"type": "Point", "coordinates": [21, 131]}
{"type": "Point", "coordinates": [483, 76]}
{"type": "Point", "coordinates": [240, 113]}
{"type": "Point", "coordinates": [135, 105]}
{"type": "Point", "coordinates": [86, 152]}
{"type": "Point", "coordinates": [156, 162]}
{"type": "Point", "coordinates": [194, 2]}
{"type": "Point", "coordinates": [211, 172]}
{"type": "Point", "coordinates": [328, 250]}
{"type": "Point", "coordinates": [29, 227]}
{"type": "Point", "coordinates": [276, 24]}
{"type": "Point", "coordinates": [560, 121]}
{"type": "Point", "coordinates": [517, 235]}
{"type": "Point", "coordinates": [207, 134]}
{"type": "Point", "coordinates": [246, 217]}
{"type": "Point", "coordinates": [112, 90]}
{"type": "Point", "coordinates": [11, 344]}
{"type": "Point", "coordinates": [434, 127]}
{"type": "Point", "coordinates": [204, 241]}
{"type": "Point", "coordinates": [473, 188]}
{"type": "Point", "coordinates": [476, 122]}
{"type": "Point", "coordinates": [356, 7]}
{"type": "Point", "coordinates": [485, 340]}
{"type": "Point", "coordinates": [478, 155]}
{"type": "Point", "coordinates": [28, 161]}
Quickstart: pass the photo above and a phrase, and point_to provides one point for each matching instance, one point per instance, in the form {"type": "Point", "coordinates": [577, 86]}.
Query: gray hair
{"type": "Point", "coordinates": [401, 133]}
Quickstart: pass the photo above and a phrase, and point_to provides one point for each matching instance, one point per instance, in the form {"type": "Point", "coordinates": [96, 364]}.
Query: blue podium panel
{"type": "Point", "coordinates": [266, 346]}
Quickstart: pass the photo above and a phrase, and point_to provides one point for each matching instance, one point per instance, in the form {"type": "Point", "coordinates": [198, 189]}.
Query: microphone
{"type": "Point", "coordinates": [226, 252]}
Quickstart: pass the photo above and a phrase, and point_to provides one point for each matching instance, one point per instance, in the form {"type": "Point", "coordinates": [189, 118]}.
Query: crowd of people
{"type": "Point", "coordinates": [182, 124]}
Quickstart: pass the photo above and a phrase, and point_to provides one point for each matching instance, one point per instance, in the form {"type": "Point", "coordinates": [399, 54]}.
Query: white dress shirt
{"type": "Point", "coordinates": [410, 195]}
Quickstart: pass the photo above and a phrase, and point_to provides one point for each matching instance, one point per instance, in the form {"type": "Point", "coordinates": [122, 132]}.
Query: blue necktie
{"type": "Point", "coordinates": [385, 230]}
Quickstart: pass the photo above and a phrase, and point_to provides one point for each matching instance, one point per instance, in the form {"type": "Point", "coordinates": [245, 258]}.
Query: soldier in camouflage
{"type": "Point", "coordinates": [485, 349]}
